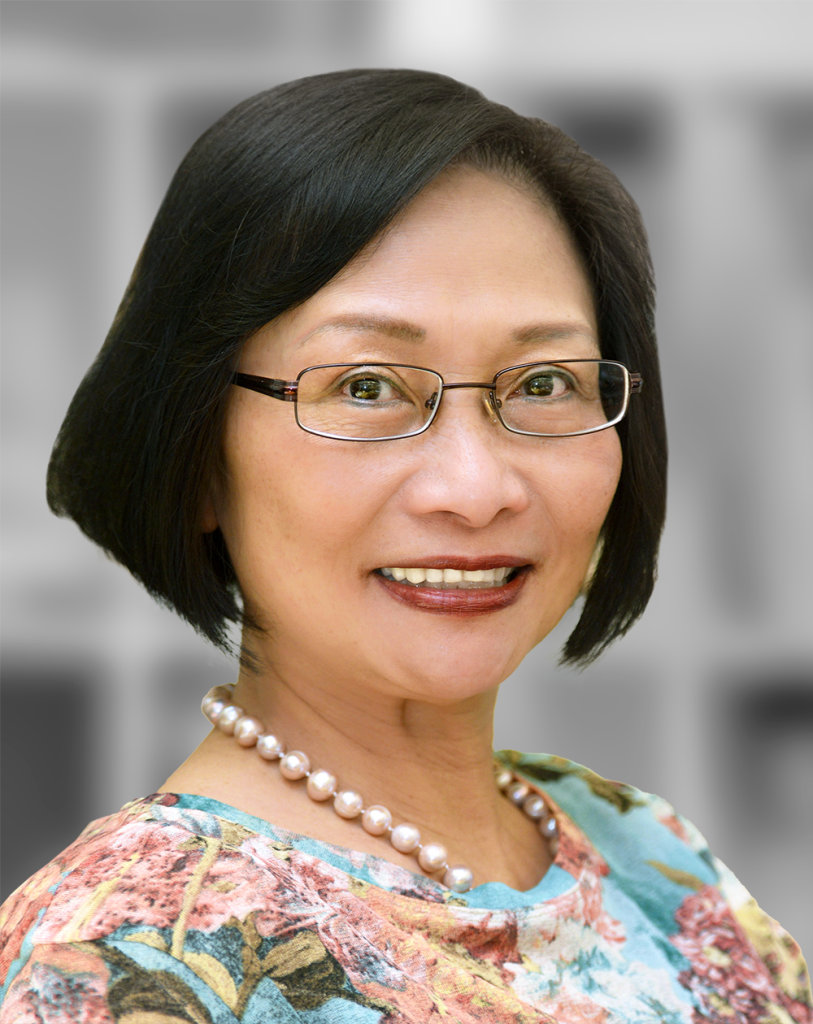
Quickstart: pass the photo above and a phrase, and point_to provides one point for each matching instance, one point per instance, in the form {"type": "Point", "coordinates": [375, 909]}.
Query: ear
{"type": "Point", "coordinates": [208, 517]}
{"type": "Point", "coordinates": [591, 569]}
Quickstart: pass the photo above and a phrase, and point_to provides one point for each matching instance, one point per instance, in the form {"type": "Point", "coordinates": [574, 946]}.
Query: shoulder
{"type": "Point", "coordinates": [117, 904]}
{"type": "Point", "coordinates": [147, 863]}
{"type": "Point", "coordinates": [658, 862]}
{"type": "Point", "coordinates": [168, 907]}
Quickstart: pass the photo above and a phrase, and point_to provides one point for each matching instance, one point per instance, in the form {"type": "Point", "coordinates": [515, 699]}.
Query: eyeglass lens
{"type": "Point", "coordinates": [377, 402]}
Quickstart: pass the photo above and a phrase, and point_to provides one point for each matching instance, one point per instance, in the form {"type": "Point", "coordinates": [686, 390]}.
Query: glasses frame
{"type": "Point", "coordinates": [286, 391]}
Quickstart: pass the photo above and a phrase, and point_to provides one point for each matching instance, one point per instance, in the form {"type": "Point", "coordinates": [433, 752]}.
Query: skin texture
{"type": "Point", "coordinates": [476, 275]}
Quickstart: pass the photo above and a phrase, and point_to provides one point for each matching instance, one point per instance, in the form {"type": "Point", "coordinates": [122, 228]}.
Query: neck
{"type": "Point", "coordinates": [430, 763]}
{"type": "Point", "coordinates": [419, 759]}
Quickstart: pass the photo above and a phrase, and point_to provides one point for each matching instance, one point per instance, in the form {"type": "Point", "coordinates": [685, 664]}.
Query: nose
{"type": "Point", "coordinates": [470, 466]}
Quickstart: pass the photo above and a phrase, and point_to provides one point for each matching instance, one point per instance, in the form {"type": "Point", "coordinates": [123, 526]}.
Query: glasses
{"type": "Point", "coordinates": [387, 401]}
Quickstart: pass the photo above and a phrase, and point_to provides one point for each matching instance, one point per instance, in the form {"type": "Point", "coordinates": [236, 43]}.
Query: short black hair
{"type": "Point", "coordinates": [270, 204]}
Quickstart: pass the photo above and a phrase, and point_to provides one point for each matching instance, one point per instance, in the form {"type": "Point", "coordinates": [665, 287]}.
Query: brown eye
{"type": "Point", "coordinates": [365, 390]}
{"type": "Point", "coordinates": [541, 386]}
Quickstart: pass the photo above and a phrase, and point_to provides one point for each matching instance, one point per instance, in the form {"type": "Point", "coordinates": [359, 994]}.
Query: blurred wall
{"type": "Point", "coordinates": [705, 111]}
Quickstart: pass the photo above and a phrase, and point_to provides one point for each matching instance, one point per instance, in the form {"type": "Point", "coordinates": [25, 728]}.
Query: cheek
{"type": "Point", "coordinates": [579, 494]}
{"type": "Point", "coordinates": [580, 488]}
{"type": "Point", "coordinates": [290, 507]}
{"type": "Point", "coordinates": [590, 470]}
{"type": "Point", "coordinates": [609, 467]}
{"type": "Point", "coordinates": [597, 489]}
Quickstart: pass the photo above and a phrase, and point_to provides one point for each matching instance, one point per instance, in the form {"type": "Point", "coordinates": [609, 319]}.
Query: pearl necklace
{"type": "Point", "coordinates": [321, 785]}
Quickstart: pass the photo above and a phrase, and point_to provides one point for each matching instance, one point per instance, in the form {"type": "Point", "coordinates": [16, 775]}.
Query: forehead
{"type": "Point", "coordinates": [474, 260]}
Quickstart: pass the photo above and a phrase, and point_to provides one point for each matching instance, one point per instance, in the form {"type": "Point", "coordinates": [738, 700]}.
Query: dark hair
{"type": "Point", "coordinates": [270, 204]}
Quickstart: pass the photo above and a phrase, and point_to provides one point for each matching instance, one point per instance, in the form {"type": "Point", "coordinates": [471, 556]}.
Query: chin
{"type": "Point", "coordinates": [455, 676]}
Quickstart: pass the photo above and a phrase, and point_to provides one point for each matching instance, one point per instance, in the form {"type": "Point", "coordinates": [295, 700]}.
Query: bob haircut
{"type": "Point", "coordinates": [270, 204]}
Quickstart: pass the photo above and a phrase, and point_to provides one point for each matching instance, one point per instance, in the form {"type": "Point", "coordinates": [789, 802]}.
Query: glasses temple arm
{"type": "Point", "coordinates": [284, 390]}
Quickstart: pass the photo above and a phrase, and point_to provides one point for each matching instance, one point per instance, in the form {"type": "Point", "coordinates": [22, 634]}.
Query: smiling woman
{"type": "Point", "coordinates": [373, 393]}
{"type": "Point", "coordinates": [475, 263]}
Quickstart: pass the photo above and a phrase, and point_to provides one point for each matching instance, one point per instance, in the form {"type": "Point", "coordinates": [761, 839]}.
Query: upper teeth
{"type": "Point", "coordinates": [461, 577]}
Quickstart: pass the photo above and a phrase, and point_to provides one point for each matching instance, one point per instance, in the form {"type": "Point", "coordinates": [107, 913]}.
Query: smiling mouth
{"type": "Point", "coordinates": [460, 589]}
{"type": "Point", "coordinates": [450, 579]}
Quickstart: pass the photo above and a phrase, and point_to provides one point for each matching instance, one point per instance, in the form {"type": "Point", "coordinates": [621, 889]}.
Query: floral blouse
{"type": "Point", "coordinates": [182, 909]}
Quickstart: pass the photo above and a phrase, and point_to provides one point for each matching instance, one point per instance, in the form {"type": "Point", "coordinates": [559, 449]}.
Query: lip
{"type": "Point", "coordinates": [460, 602]}
{"type": "Point", "coordinates": [465, 562]}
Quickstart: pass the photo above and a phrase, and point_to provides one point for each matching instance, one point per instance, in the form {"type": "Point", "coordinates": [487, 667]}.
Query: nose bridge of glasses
{"type": "Point", "coordinates": [468, 384]}
{"type": "Point", "coordinates": [490, 400]}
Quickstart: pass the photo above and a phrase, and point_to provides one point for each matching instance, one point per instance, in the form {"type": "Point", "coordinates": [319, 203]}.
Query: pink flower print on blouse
{"type": "Point", "coordinates": [134, 876]}
{"type": "Point", "coordinates": [404, 953]}
{"type": "Point", "coordinates": [189, 883]}
{"type": "Point", "coordinates": [21, 910]}
{"type": "Point", "coordinates": [731, 983]}
{"type": "Point", "coordinates": [583, 903]}
{"type": "Point", "coordinates": [59, 984]}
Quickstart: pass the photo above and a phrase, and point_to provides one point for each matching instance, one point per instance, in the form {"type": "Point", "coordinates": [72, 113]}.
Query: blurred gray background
{"type": "Point", "coordinates": [705, 111]}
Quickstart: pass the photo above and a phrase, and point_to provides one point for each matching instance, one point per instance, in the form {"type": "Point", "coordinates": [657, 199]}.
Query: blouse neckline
{"type": "Point", "coordinates": [369, 868]}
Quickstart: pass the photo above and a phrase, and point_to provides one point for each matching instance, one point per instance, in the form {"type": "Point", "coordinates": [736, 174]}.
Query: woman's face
{"type": "Point", "coordinates": [475, 276]}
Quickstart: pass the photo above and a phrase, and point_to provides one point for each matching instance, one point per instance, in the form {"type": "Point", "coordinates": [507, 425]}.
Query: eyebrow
{"type": "Point", "coordinates": [403, 330]}
{"type": "Point", "coordinates": [552, 332]}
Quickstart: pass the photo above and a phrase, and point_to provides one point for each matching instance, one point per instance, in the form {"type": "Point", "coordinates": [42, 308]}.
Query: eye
{"type": "Point", "coordinates": [541, 385]}
{"type": "Point", "coordinates": [366, 389]}
{"type": "Point", "coordinates": [371, 388]}
{"type": "Point", "coordinates": [546, 384]}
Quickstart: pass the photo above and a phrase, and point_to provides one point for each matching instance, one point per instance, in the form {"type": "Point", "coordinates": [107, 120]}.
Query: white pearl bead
{"type": "Point", "coordinates": [214, 708]}
{"type": "Point", "coordinates": [534, 806]}
{"type": "Point", "coordinates": [376, 820]}
{"type": "Point", "coordinates": [458, 878]}
{"type": "Point", "coordinates": [548, 827]}
{"type": "Point", "coordinates": [221, 693]}
{"type": "Point", "coordinates": [270, 747]}
{"type": "Point", "coordinates": [432, 857]}
{"type": "Point", "coordinates": [294, 765]}
{"type": "Point", "coordinates": [228, 718]}
{"type": "Point", "coordinates": [348, 804]}
{"type": "Point", "coordinates": [321, 785]}
{"type": "Point", "coordinates": [247, 730]}
{"type": "Point", "coordinates": [405, 838]}
{"type": "Point", "coordinates": [503, 778]}
{"type": "Point", "coordinates": [517, 792]}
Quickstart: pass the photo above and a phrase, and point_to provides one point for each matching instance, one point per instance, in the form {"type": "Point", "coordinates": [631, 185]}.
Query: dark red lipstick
{"type": "Point", "coordinates": [460, 601]}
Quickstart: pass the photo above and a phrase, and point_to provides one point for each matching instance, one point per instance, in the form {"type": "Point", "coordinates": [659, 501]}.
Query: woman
{"type": "Point", "coordinates": [372, 392]}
